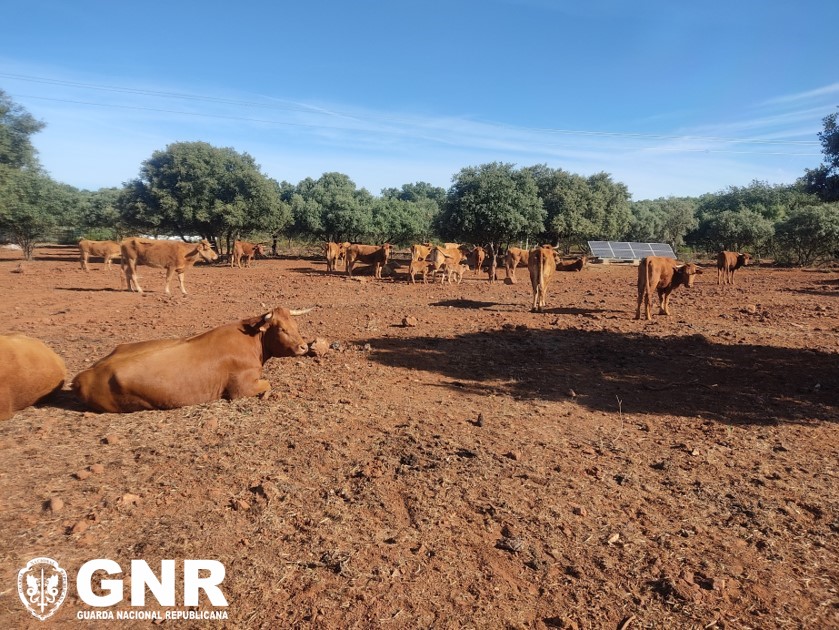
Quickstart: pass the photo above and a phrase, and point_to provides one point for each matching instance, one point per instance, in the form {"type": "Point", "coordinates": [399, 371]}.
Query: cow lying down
{"type": "Point", "coordinates": [225, 362]}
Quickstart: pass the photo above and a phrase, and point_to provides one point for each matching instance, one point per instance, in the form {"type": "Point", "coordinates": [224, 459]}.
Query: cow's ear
{"type": "Point", "coordinates": [699, 270]}
{"type": "Point", "coordinates": [266, 321]}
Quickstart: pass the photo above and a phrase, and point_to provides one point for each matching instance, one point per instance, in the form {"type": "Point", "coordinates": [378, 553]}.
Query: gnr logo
{"type": "Point", "coordinates": [42, 584]}
{"type": "Point", "coordinates": [142, 576]}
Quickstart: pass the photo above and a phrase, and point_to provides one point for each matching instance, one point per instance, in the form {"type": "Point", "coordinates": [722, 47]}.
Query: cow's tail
{"type": "Point", "coordinates": [648, 289]}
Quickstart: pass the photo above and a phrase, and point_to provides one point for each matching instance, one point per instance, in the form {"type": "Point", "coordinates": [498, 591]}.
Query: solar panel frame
{"type": "Point", "coordinates": [625, 250]}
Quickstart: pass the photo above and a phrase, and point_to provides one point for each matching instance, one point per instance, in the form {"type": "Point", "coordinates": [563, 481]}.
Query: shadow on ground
{"type": "Point", "coordinates": [683, 376]}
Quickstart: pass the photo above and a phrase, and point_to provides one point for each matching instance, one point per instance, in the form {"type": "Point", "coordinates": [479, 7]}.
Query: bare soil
{"type": "Point", "coordinates": [486, 468]}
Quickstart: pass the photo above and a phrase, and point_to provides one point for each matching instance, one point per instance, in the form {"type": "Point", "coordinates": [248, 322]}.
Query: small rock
{"type": "Point", "coordinates": [211, 424]}
{"type": "Point", "coordinates": [80, 526]}
{"type": "Point", "coordinates": [318, 347]}
{"type": "Point", "coordinates": [112, 438]}
{"type": "Point", "coordinates": [337, 346]}
{"type": "Point", "coordinates": [240, 505]}
{"type": "Point", "coordinates": [580, 510]}
{"type": "Point", "coordinates": [97, 469]}
{"type": "Point", "coordinates": [130, 499]}
{"type": "Point", "coordinates": [56, 505]}
{"type": "Point", "coordinates": [515, 455]}
{"type": "Point", "coordinates": [410, 321]}
{"type": "Point", "coordinates": [479, 422]}
{"type": "Point", "coordinates": [513, 545]}
{"type": "Point", "coordinates": [83, 474]}
{"type": "Point", "coordinates": [613, 539]}
{"type": "Point", "coordinates": [571, 393]}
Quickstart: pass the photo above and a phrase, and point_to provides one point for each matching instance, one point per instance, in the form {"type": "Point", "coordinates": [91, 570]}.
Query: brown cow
{"type": "Point", "coordinates": [419, 266]}
{"type": "Point", "coordinates": [420, 251]}
{"type": "Point", "coordinates": [513, 259]}
{"type": "Point", "coordinates": [97, 249]}
{"type": "Point", "coordinates": [728, 263]}
{"type": "Point", "coordinates": [376, 255]}
{"type": "Point", "coordinates": [243, 249]}
{"type": "Point", "coordinates": [476, 257]}
{"type": "Point", "coordinates": [541, 263]}
{"type": "Point", "coordinates": [442, 259]}
{"type": "Point", "coordinates": [662, 275]}
{"type": "Point", "coordinates": [29, 371]}
{"type": "Point", "coordinates": [455, 272]}
{"type": "Point", "coordinates": [173, 256]}
{"type": "Point", "coordinates": [225, 362]}
{"type": "Point", "coordinates": [334, 253]}
{"type": "Point", "coordinates": [575, 265]}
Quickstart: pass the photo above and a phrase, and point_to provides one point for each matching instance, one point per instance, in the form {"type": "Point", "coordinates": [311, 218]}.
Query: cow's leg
{"type": "Point", "coordinates": [180, 273]}
{"type": "Point", "coordinates": [665, 302]}
{"type": "Point", "coordinates": [131, 277]}
{"type": "Point", "coordinates": [247, 384]}
{"type": "Point", "coordinates": [83, 261]}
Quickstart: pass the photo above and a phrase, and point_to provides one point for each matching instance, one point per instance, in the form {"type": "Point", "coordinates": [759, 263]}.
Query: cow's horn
{"type": "Point", "coordinates": [268, 316]}
{"type": "Point", "coordinates": [300, 311]}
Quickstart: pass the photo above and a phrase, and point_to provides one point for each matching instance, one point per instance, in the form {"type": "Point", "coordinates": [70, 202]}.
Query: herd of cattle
{"type": "Point", "coordinates": [145, 375]}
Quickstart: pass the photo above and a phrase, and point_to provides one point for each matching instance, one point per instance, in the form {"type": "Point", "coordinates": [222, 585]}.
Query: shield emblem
{"type": "Point", "coordinates": [42, 586]}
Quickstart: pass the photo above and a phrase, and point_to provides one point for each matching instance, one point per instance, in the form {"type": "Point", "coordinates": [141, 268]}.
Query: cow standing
{"type": "Point", "coordinates": [173, 256]}
{"type": "Point", "coordinates": [513, 259]}
{"type": "Point", "coordinates": [225, 362]}
{"type": "Point", "coordinates": [476, 257]}
{"type": "Point", "coordinates": [334, 253]}
{"type": "Point", "coordinates": [108, 250]}
{"type": "Point", "coordinates": [541, 263]}
{"type": "Point", "coordinates": [662, 275]}
{"type": "Point", "coordinates": [243, 249]}
{"type": "Point", "coordinates": [728, 263]}
{"type": "Point", "coordinates": [376, 255]}
{"type": "Point", "coordinates": [29, 371]}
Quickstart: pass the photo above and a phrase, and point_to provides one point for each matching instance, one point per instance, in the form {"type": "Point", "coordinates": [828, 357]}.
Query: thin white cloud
{"type": "Point", "coordinates": [99, 137]}
{"type": "Point", "coordinates": [827, 90]}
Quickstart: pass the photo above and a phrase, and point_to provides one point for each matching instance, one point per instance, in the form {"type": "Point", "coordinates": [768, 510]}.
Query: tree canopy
{"type": "Point", "coordinates": [193, 188]}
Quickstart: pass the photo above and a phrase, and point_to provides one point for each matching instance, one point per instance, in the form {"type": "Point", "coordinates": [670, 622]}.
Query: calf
{"type": "Point", "coordinates": [662, 275]}
{"type": "Point", "coordinates": [98, 249]}
{"type": "Point", "coordinates": [173, 256]}
{"type": "Point", "coordinates": [225, 362]}
{"type": "Point", "coordinates": [29, 371]}
{"type": "Point", "coordinates": [419, 266]}
{"type": "Point", "coordinates": [376, 255]}
{"type": "Point", "coordinates": [541, 263]}
{"type": "Point", "coordinates": [243, 249]}
{"type": "Point", "coordinates": [455, 272]}
{"type": "Point", "coordinates": [728, 263]}
{"type": "Point", "coordinates": [575, 265]}
{"type": "Point", "coordinates": [513, 259]}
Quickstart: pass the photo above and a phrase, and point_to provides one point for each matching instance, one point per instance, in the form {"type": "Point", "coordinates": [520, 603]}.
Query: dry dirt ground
{"type": "Point", "coordinates": [486, 468]}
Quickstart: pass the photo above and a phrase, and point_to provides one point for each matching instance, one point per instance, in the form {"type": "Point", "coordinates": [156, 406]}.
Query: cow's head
{"type": "Point", "coordinates": [205, 250]}
{"type": "Point", "coordinates": [386, 249]}
{"type": "Point", "coordinates": [281, 337]}
{"type": "Point", "coordinates": [686, 274]}
{"type": "Point", "coordinates": [743, 259]}
{"type": "Point", "coordinates": [260, 250]}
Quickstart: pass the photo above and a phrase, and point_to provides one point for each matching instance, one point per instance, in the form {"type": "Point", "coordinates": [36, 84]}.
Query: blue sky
{"type": "Point", "coordinates": [670, 98]}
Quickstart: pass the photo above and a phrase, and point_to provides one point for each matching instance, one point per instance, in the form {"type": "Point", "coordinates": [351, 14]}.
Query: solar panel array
{"type": "Point", "coordinates": [629, 251]}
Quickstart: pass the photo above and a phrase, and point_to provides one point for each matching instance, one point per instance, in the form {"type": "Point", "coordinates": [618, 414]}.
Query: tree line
{"type": "Point", "coordinates": [193, 189]}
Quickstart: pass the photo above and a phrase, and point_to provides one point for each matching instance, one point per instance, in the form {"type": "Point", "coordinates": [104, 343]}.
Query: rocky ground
{"type": "Point", "coordinates": [483, 467]}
